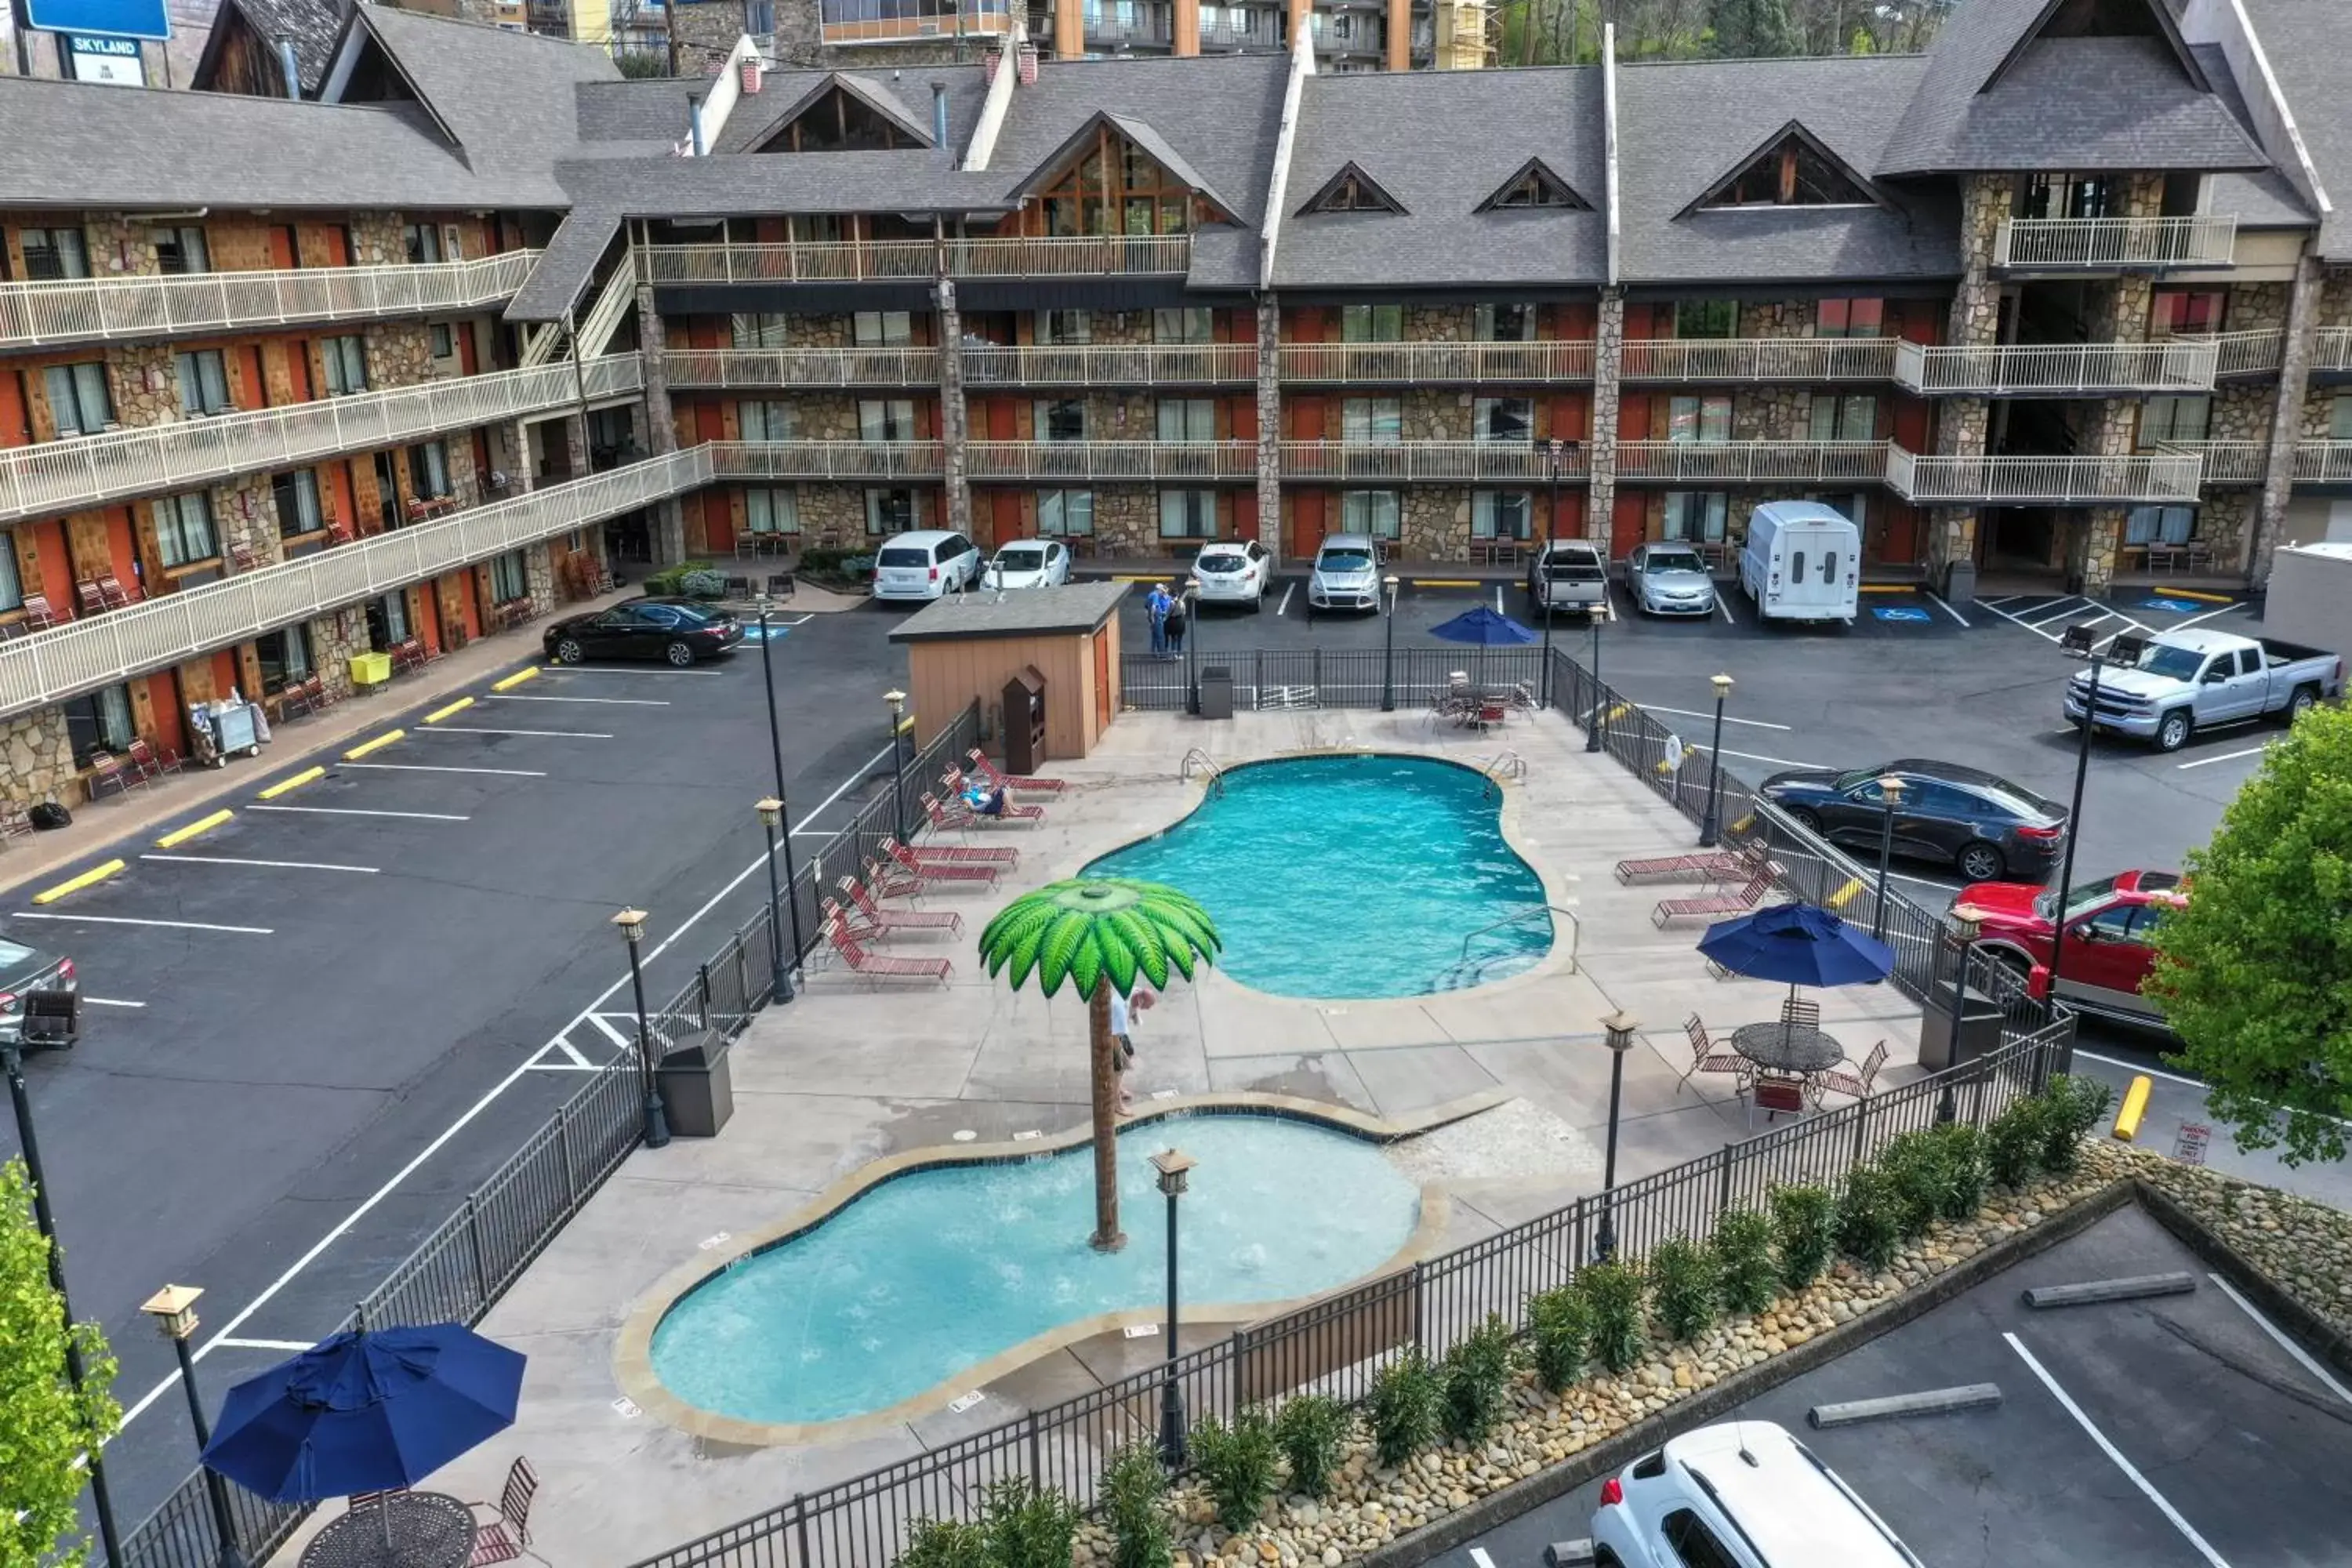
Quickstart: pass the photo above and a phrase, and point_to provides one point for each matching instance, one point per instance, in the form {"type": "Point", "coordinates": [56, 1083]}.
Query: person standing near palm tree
{"type": "Point", "coordinates": [1122, 1009]}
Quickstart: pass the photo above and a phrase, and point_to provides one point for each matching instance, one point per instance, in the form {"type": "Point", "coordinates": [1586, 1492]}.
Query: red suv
{"type": "Point", "coordinates": [2110, 934]}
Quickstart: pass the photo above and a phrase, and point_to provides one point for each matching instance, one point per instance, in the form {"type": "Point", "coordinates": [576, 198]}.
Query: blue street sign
{"type": "Point", "coordinates": [117, 18]}
{"type": "Point", "coordinates": [1898, 613]}
{"type": "Point", "coordinates": [2176, 606]}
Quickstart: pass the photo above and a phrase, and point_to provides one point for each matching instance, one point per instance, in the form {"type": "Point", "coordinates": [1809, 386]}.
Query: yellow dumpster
{"type": "Point", "coordinates": [370, 669]}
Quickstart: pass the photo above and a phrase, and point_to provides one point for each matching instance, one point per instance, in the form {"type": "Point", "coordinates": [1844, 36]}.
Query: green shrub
{"type": "Point", "coordinates": [1805, 1228]}
{"type": "Point", "coordinates": [1312, 1433]}
{"type": "Point", "coordinates": [1683, 1285]}
{"type": "Point", "coordinates": [1913, 1161]}
{"type": "Point", "coordinates": [1027, 1528]}
{"type": "Point", "coordinates": [944, 1543]}
{"type": "Point", "coordinates": [1559, 1330]}
{"type": "Point", "coordinates": [1135, 1507]}
{"type": "Point", "coordinates": [2070, 1107]}
{"type": "Point", "coordinates": [1238, 1466]}
{"type": "Point", "coordinates": [1403, 1408]}
{"type": "Point", "coordinates": [1964, 1170]}
{"type": "Point", "coordinates": [1475, 1381]}
{"type": "Point", "coordinates": [1870, 1216]}
{"type": "Point", "coordinates": [671, 579]}
{"type": "Point", "coordinates": [1745, 1277]}
{"type": "Point", "coordinates": [1613, 1300]}
{"type": "Point", "coordinates": [2013, 1144]}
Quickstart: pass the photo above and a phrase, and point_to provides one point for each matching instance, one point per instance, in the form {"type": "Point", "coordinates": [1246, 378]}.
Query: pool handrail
{"type": "Point", "coordinates": [1506, 765]}
{"type": "Point", "coordinates": [1575, 931]}
{"type": "Point", "coordinates": [1207, 762]}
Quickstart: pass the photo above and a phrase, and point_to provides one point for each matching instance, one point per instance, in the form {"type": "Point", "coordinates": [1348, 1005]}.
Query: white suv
{"type": "Point", "coordinates": [924, 564]}
{"type": "Point", "coordinates": [1742, 1495]}
{"type": "Point", "coordinates": [1233, 574]}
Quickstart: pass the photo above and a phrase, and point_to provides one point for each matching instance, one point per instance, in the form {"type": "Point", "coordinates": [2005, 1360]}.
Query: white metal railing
{"type": "Point", "coordinates": [2172, 364]}
{"type": "Point", "coordinates": [2225, 462]}
{"type": "Point", "coordinates": [1110, 365]}
{"type": "Point", "coordinates": [602, 320]}
{"type": "Point", "coordinates": [2241, 354]}
{"type": "Point", "coordinates": [2061, 481]}
{"type": "Point", "coordinates": [2331, 349]}
{"type": "Point", "coordinates": [759, 368]}
{"type": "Point", "coordinates": [853, 261]}
{"type": "Point", "coordinates": [1111, 460]}
{"type": "Point", "coordinates": [1751, 462]}
{"type": "Point", "coordinates": [80, 471]}
{"type": "Point", "coordinates": [1758, 359]}
{"type": "Point", "coordinates": [1409, 460]}
{"type": "Point", "coordinates": [827, 459]}
{"type": "Point", "coordinates": [92, 309]}
{"type": "Point", "coordinates": [1563, 359]}
{"type": "Point", "coordinates": [2069, 243]}
{"type": "Point", "coordinates": [47, 666]}
{"type": "Point", "coordinates": [2323, 462]}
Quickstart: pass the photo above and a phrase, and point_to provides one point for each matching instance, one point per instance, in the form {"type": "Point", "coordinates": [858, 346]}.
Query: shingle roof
{"type": "Point", "coordinates": [311, 25]}
{"type": "Point", "coordinates": [654, 110]}
{"type": "Point", "coordinates": [905, 93]}
{"type": "Point", "coordinates": [2262, 198]}
{"type": "Point", "coordinates": [2307, 45]}
{"type": "Point", "coordinates": [1024, 612]}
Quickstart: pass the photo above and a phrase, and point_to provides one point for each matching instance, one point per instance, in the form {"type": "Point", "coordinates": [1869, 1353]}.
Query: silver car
{"type": "Point", "coordinates": [1670, 579]}
{"type": "Point", "coordinates": [1346, 575]}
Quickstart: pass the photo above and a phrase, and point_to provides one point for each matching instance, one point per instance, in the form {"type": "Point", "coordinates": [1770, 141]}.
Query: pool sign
{"type": "Point", "coordinates": [1674, 753]}
{"type": "Point", "coordinates": [108, 18]}
{"type": "Point", "coordinates": [2189, 1144]}
{"type": "Point", "coordinates": [2171, 606]}
{"type": "Point", "coordinates": [1898, 613]}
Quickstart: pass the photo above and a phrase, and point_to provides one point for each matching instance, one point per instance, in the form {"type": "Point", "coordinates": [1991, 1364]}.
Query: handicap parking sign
{"type": "Point", "coordinates": [2171, 606]}
{"type": "Point", "coordinates": [1898, 613]}
{"type": "Point", "coordinates": [752, 632]}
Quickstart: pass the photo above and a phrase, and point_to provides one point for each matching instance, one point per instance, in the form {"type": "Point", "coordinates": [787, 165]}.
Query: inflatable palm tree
{"type": "Point", "coordinates": [1101, 935]}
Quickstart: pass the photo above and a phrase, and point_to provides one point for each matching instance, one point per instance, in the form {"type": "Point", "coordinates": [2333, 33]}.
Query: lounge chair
{"type": "Point", "coordinates": [926, 872]}
{"type": "Point", "coordinates": [1020, 783]}
{"type": "Point", "coordinates": [1706, 1058]}
{"type": "Point", "coordinates": [932, 852]}
{"type": "Point", "coordinates": [877, 968]}
{"type": "Point", "coordinates": [960, 818]}
{"type": "Point", "coordinates": [1707, 906]}
{"type": "Point", "coordinates": [889, 881]}
{"type": "Point", "coordinates": [1707, 865]}
{"type": "Point", "coordinates": [1855, 1086]}
{"type": "Point", "coordinates": [887, 920]}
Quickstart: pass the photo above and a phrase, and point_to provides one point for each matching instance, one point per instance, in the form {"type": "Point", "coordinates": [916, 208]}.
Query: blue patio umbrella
{"type": "Point", "coordinates": [1797, 943]}
{"type": "Point", "coordinates": [1484, 627]}
{"type": "Point", "coordinates": [365, 1412]}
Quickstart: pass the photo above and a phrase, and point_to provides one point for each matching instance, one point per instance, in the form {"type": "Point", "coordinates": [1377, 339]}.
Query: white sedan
{"type": "Point", "coordinates": [1028, 563]}
{"type": "Point", "coordinates": [1238, 572]}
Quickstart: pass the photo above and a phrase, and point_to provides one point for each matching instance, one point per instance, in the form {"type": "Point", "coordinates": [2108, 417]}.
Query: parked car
{"type": "Point", "coordinates": [2198, 679]}
{"type": "Point", "coordinates": [1670, 579]}
{"type": "Point", "coordinates": [1801, 562]}
{"type": "Point", "coordinates": [2110, 934]}
{"type": "Point", "coordinates": [1976, 822]}
{"type": "Point", "coordinates": [24, 971]}
{"type": "Point", "coordinates": [677, 631]}
{"type": "Point", "coordinates": [1745, 1494]}
{"type": "Point", "coordinates": [924, 563]}
{"type": "Point", "coordinates": [1028, 563]}
{"type": "Point", "coordinates": [1568, 575]}
{"type": "Point", "coordinates": [1346, 575]}
{"type": "Point", "coordinates": [1235, 574]}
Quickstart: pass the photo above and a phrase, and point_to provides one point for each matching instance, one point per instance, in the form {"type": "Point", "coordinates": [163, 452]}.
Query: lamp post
{"type": "Point", "coordinates": [1189, 602]}
{"type": "Point", "coordinates": [2125, 649]}
{"type": "Point", "coordinates": [1174, 1167]}
{"type": "Point", "coordinates": [633, 926]}
{"type": "Point", "coordinates": [1619, 1027]}
{"type": "Point", "coordinates": [12, 1061]}
{"type": "Point", "coordinates": [1554, 449]}
{"type": "Point", "coordinates": [1596, 723]}
{"type": "Point", "coordinates": [776, 756]}
{"type": "Point", "coordinates": [771, 816]}
{"type": "Point", "coordinates": [1890, 796]}
{"type": "Point", "coordinates": [896, 702]}
{"type": "Point", "coordinates": [1964, 928]}
{"type": "Point", "coordinates": [1390, 584]}
{"type": "Point", "coordinates": [1710, 829]}
{"type": "Point", "coordinates": [174, 1307]}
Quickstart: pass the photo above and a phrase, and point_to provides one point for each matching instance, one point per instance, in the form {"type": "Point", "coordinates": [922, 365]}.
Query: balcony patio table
{"type": "Point", "coordinates": [399, 1530]}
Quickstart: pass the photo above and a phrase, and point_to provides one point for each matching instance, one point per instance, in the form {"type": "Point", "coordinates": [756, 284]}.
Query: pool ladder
{"type": "Point", "coordinates": [1506, 765]}
{"type": "Point", "coordinates": [1197, 758]}
{"type": "Point", "coordinates": [1469, 971]}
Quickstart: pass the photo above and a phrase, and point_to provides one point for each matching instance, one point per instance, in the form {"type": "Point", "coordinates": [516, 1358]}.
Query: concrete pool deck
{"type": "Point", "coordinates": [848, 1074]}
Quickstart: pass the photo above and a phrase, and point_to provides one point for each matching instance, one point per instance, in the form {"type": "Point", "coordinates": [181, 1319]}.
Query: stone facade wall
{"type": "Point", "coordinates": [2334, 306]}
{"type": "Point", "coordinates": [1126, 521]}
{"type": "Point", "coordinates": [335, 638]}
{"type": "Point", "coordinates": [1433, 523]}
{"type": "Point", "coordinates": [538, 572]}
{"type": "Point", "coordinates": [2241, 412]}
{"type": "Point", "coordinates": [1777, 319]}
{"type": "Point", "coordinates": [1440, 324]}
{"type": "Point", "coordinates": [1438, 414]}
{"type": "Point", "coordinates": [1772, 414]}
{"type": "Point", "coordinates": [2255, 308]}
{"type": "Point", "coordinates": [837, 510]}
{"type": "Point", "coordinates": [1120, 327]}
{"type": "Point", "coordinates": [145, 381]}
{"type": "Point", "coordinates": [2319, 412]}
{"type": "Point", "coordinates": [2224, 522]}
{"type": "Point", "coordinates": [378, 239]}
{"type": "Point", "coordinates": [836, 331]}
{"type": "Point", "coordinates": [37, 758]}
{"type": "Point", "coordinates": [244, 511]}
{"type": "Point", "coordinates": [399, 353]}
{"type": "Point", "coordinates": [1608, 358]}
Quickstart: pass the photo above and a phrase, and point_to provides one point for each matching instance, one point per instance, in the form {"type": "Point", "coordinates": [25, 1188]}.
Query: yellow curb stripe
{"type": "Point", "coordinates": [443, 712]}
{"type": "Point", "coordinates": [1446, 583]}
{"type": "Point", "coordinates": [2192, 593]}
{"type": "Point", "coordinates": [528, 672]}
{"type": "Point", "coordinates": [1123, 577]}
{"type": "Point", "coordinates": [1888, 588]}
{"type": "Point", "coordinates": [297, 782]}
{"type": "Point", "coordinates": [2135, 1106]}
{"type": "Point", "coordinates": [96, 874]}
{"type": "Point", "coordinates": [1844, 895]}
{"type": "Point", "coordinates": [378, 745]}
{"type": "Point", "coordinates": [202, 824]}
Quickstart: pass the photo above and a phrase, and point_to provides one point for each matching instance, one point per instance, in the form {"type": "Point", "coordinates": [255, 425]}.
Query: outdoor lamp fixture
{"type": "Point", "coordinates": [2125, 650]}
{"type": "Point", "coordinates": [896, 702]}
{"type": "Point", "coordinates": [1710, 829]}
{"type": "Point", "coordinates": [1555, 449]}
{"type": "Point", "coordinates": [174, 1307]}
{"type": "Point", "coordinates": [1620, 1027]}
{"type": "Point", "coordinates": [1175, 1168]}
{"type": "Point", "coordinates": [1390, 584]}
{"type": "Point", "coordinates": [1964, 928]}
{"type": "Point", "coordinates": [771, 818]}
{"type": "Point", "coordinates": [633, 926]}
{"type": "Point", "coordinates": [1890, 796]}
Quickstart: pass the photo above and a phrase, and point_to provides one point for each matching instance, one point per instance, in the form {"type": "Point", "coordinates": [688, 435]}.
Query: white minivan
{"type": "Point", "coordinates": [1802, 562]}
{"type": "Point", "coordinates": [924, 564]}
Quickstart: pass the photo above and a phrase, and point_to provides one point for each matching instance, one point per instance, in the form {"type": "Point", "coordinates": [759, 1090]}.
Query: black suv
{"type": "Point", "coordinates": [1981, 824]}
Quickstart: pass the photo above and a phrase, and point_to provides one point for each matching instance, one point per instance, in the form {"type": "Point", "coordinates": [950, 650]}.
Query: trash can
{"type": "Point", "coordinates": [1960, 584]}
{"type": "Point", "coordinates": [697, 1090]}
{"type": "Point", "coordinates": [1980, 1021]}
{"type": "Point", "coordinates": [1217, 691]}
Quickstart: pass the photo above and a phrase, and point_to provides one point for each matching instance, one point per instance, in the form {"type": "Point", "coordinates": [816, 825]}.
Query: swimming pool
{"type": "Point", "coordinates": [1352, 876]}
{"type": "Point", "coordinates": [934, 1271]}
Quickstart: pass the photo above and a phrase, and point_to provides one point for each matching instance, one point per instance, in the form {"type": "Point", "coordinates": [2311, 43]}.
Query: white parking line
{"type": "Point", "coordinates": [2223, 757]}
{"type": "Point", "coordinates": [1479, 1558]}
{"type": "Point", "coordinates": [608, 702]}
{"type": "Point", "coordinates": [355, 811]}
{"type": "Point", "coordinates": [2134, 1066]}
{"type": "Point", "coordinates": [475, 729]}
{"type": "Point", "coordinates": [2187, 1530]}
{"type": "Point", "coordinates": [2017, 620]}
{"type": "Point", "coordinates": [112, 1002]}
{"type": "Point", "coordinates": [1753, 757]}
{"type": "Point", "coordinates": [1946, 608]}
{"type": "Point", "coordinates": [2057, 609]}
{"type": "Point", "coordinates": [2094, 620]}
{"type": "Point", "coordinates": [640, 670]}
{"type": "Point", "coordinates": [2301, 1356]}
{"type": "Point", "coordinates": [130, 921]}
{"type": "Point", "coordinates": [1689, 713]}
{"type": "Point", "coordinates": [275, 865]}
{"type": "Point", "coordinates": [1498, 598]}
{"type": "Point", "coordinates": [2206, 616]}
{"type": "Point", "coordinates": [429, 768]}
{"type": "Point", "coordinates": [1284, 607]}
{"type": "Point", "coordinates": [265, 1344]}
{"type": "Point", "coordinates": [1724, 606]}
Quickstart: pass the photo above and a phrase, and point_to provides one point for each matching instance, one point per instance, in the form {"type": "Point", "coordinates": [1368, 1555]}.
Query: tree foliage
{"type": "Point", "coordinates": [1752, 29]}
{"type": "Point", "coordinates": [2255, 975]}
{"type": "Point", "coordinates": [45, 1425]}
{"type": "Point", "coordinates": [1567, 32]}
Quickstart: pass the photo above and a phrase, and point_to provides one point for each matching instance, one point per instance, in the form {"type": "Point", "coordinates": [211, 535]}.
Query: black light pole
{"type": "Point", "coordinates": [1596, 723]}
{"type": "Point", "coordinates": [776, 756]}
{"type": "Point", "coordinates": [633, 926]}
{"type": "Point", "coordinates": [1190, 604]}
{"type": "Point", "coordinates": [174, 1307]}
{"type": "Point", "coordinates": [2125, 651]}
{"type": "Point", "coordinates": [1890, 796]}
{"type": "Point", "coordinates": [1620, 1027]}
{"type": "Point", "coordinates": [1554, 448]}
{"type": "Point", "coordinates": [771, 816]}
{"type": "Point", "coordinates": [1388, 659]}
{"type": "Point", "coordinates": [1964, 930]}
{"type": "Point", "coordinates": [12, 1059]}
{"type": "Point", "coordinates": [897, 704]}
{"type": "Point", "coordinates": [1710, 829]}
{"type": "Point", "coordinates": [1174, 1166]}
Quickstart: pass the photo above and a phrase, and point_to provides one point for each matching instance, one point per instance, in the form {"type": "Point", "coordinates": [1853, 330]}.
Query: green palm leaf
{"type": "Point", "coordinates": [1062, 940]}
{"type": "Point", "coordinates": [1090, 929]}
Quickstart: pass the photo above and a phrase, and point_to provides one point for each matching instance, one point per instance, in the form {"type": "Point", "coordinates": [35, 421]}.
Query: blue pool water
{"type": "Point", "coordinates": [936, 1271]}
{"type": "Point", "coordinates": [1351, 877]}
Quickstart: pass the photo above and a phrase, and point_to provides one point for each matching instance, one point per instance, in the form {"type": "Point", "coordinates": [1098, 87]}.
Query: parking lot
{"type": "Point", "coordinates": [2171, 1431]}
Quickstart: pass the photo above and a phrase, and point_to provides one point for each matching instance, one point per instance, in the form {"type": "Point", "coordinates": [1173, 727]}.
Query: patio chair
{"type": "Point", "coordinates": [783, 584]}
{"type": "Point", "coordinates": [93, 602]}
{"type": "Point", "coordinates": [38, 614]}
{"type": "Point", "coordinates": [961, 817]}
{"type": "Point", "coordinates": [884, 882]}
{"type": "Point", "coordinates": [875, 968]}
{"type": "Point", "coordinates": [1804, 1014]}
{"type": "Point", "coordinates": [111, 594]}
{"type": "Point", "coordinates": [1710, 905]}
{"type": "Point", "coordinates": [932, 853]}
{"type": "Point", "coordinates": [926, 872]}
{"type": "Point", "coordinates": [409, 655]}
{"type": "Point", "coordinates": [1019, 784]}
{"type": "Point", "coordinates": [14, 823]}
{"type": "Point", "coordinates": [1855, 1086]}
{"type": "Point", "coordinates": [1707, 865]}
{"type": "Point", "coordinates": [738, 588]}
{"type": "Point", "coordinates": [106, 768]}
{"type": "Point", "coordinates": [885, 921]}
{"type": "Point", "coordinates": [150, 763]}
{"type": "Point", "coordinates": [1706, 1058]}
{"type": "Point", "coordinates": [507, 1534]}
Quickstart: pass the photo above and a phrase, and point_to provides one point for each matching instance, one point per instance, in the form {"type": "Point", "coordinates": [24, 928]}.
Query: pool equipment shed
{"type": "Point", "coordinates": [971, 647]}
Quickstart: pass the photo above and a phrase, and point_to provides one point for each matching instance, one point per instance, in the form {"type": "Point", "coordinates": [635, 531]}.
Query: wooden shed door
{"type": "Point", "coordinates": [1102, 683]}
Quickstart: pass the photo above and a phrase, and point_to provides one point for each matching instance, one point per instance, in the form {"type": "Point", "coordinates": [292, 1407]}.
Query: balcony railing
{"type": "Point", "coordinates": [2323, 462]}
{"type": "Point", "coordinates": [884, 260]}
{"type": "Point", "coordinates": [1425, 362]}
{"type": "Point", "coordinates": [93, 309]}
{"type": "Point", "coordinates": [1150, 31]}
{"type": "Point", "coordinates": [2331, 349]}
{"type": "Point", "coordinates": [1111, 460]}
{"type": "Point", "coordinates": [1242, 30]}
{"type": "Point", "coordinates": [827, 459]}
{"type": "Point", "coordinates": [2056, 481]}
{"type": "Point", "coordinates": [2076, 244]}
{"type": "Point", "coordinates": [1405, 461]}
{"type": "Point", "coordinates": [47, 667]}
{"type": "Point", "coordinates": [2060, 370]}
{"type": "Point", "coordinates": [1754, 462]}
{"type": "Point", "coordinates": [2225, 462]}
{"type": "Point", "coordinates": [81, 471]}
{"type": "Point", "coordinates": [1758, 359]}
{"type": "Point", "coordinates": [767, 368]}
{"type": "Point", "coordinates": [1110, 365]}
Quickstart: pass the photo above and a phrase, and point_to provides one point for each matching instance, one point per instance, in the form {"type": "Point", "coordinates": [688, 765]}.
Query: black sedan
{"type": "Point", "coordinates": [26, 972]}
{"type": "Point", "coordinates": [1983, 825]}
{"type": "Point", "coordinates": [678, 631]}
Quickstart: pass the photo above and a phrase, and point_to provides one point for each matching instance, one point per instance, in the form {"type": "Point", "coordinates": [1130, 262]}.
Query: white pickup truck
{"type": "Point", "coordinates": [2195, 680]}
{"type": "Point", "coordinates": [1568, 575]}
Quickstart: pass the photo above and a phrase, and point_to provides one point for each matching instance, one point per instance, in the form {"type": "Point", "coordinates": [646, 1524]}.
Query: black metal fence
{"type": "Point", "coordinates": [1278, 678]}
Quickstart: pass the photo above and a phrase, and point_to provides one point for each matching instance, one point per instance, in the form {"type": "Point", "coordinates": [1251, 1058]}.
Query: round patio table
{"type": "Point", "coordinates": [401, 1530]}
{"type": "Point", "coordinates": [1796, 1048]}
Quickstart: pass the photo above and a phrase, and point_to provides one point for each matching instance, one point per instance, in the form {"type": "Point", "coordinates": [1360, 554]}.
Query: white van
{"type": "Point", "coordinates": [1802, 562]}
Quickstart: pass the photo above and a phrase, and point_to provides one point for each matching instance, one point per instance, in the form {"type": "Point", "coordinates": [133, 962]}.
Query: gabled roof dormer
{"type": "Point", "coordinates": [1535, 185]}
{"type": "Point", "coordinates": [841, 113]}
{"type": "Point", "coordinates": [2101, 19]}
{"type": "Point", "coordinates": [1351, 191]}
{"type": "Point", "coordinates": [1136, 166]}
{"type": "Point", "coordinates": [1793, 168]}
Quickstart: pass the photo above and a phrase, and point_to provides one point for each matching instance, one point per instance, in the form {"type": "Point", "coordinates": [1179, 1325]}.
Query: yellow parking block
{"type": "Point", "coordinates": [202, 824]}
{"type": "Point", "coordinates": [378, 745]}
{"type": "Point", "coordinates": [448, 708]}
{"type": "Point", "coordinates": [95, 874]}
{"type": "Point", "coordinates": [1888, 588]}
{"type": "Point", "coordinates": [528, 672]}
{"type": "Point", "coordinates": [1128, 577]}
{"type": "Point", "coordinates": [2193, 594]}
{"type": "Point", "coordinates": [297, 782]}
{"type": "Point", "coordinates": [1844, 895]}
{"type": "Point", "coordinates": [2135, 1106]}
{"type": "Point", "coordinates": [1445, 582]}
